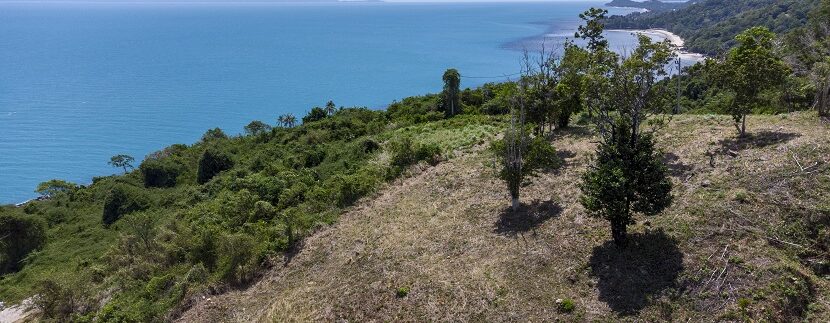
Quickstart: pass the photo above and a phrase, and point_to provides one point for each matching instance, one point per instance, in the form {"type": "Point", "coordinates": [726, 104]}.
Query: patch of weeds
{"type": "Point", "coordinates": [402, 291]}
{"type": "Point", "coordinates": [565, 305]}
{"type": "Point", "coordinates": [736, 260]}
{"type": "Point", "coordinates": [741, 196]}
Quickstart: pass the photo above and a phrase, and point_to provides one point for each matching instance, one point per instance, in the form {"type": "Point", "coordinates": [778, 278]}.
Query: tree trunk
{"type": "Point", "coordinates": [515, 203]}
{"type": "Point", "coordinates": [743, 126]}
{"type": "Point", "coordinates": [618, 232]}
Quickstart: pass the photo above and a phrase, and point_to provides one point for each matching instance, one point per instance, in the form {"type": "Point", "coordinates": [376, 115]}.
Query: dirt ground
{"type": "Point", "coordinates": [442, 245]}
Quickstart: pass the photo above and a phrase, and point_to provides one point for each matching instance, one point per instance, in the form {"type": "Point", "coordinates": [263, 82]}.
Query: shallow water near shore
{"type": "Point", "coordinates": [80, 82]}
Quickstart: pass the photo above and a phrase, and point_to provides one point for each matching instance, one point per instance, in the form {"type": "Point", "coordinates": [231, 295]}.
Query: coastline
{"type": "Point", "coordinates": [673, 38]}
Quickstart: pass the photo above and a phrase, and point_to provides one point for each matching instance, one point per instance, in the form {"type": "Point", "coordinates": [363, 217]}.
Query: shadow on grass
{"type": "Point", "coordinates": [629, 277]}
{"type": "Point", "coordinates": [527, 218]}
{"type": "Point", "coordinates": [573, 131]}
{"type": "Point", "coordinates": [676, 167]}
{"type": "Point", "coordinates": [758, 139]}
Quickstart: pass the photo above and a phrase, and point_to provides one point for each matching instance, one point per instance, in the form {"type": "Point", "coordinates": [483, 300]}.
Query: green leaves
{"type": "Point", "coordinates": [627, 177]}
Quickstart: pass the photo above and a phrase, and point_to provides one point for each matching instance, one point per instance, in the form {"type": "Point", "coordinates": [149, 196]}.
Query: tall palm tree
{"type": "Point", "coordinates": [290, 120]}
{"type": "Point", "coordinates": [281, 120]}
{"type": "Point", "coordinates": [330, 108]}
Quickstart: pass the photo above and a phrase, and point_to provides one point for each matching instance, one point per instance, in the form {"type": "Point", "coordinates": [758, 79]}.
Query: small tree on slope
{"type": "Point", "coordinates": [627, 177]}
{"type": "Point", "coordinates": [521, 156]}
{"type": "Point", "coordinates": [752, 68]}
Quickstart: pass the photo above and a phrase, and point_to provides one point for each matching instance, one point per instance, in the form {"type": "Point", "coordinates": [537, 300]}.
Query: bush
{"type": "Point", "coordinates": [405, 153]}
{"type": "Point", "coordinates": [121, 200]}
{"type": "Point", "coordinates": [237, 258]}
{"type": "Point", "coordinates": [316, 114]}
{"type": "Point", "coordinates": [212, 163]}
{"type": "Point", "coordinates": [401, 292]}
{"type": "Point", "coordinates": [159, 173]}
{"type": "Point", "coordinates": [19, 236]}
{"type": "Point", "coordinates": [565, 305]}
{"type": "Point", "coordinates": [61, 301]}
{"type": "Point", "coordinates": [214, 134]}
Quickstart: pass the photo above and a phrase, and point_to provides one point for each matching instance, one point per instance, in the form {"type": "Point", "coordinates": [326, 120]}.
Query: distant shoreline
{"type": "Point", "coordinates": [673, 38]}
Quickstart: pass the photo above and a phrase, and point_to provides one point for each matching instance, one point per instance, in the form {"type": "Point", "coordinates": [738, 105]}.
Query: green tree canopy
{"type": "Point", "coordinates": [751, 68]}
{"type": "Point", "coordinates": [257, 127]}
{"type": "Point", "coordinates": [212, 162]}
{"type": "Point", "coordinates": [54, 187]}
{"type": "Point", "coordinates": [122, 161]}
{"type": "Point", "coordinates": [451, 93]}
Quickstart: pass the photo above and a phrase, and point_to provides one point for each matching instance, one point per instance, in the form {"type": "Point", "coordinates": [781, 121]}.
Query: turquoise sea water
{"type": "Point", "coordinates": [80, 82]}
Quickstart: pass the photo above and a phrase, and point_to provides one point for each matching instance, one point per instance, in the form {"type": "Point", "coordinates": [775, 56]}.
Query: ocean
{"type": "Point", "coordinates": [80, 82]}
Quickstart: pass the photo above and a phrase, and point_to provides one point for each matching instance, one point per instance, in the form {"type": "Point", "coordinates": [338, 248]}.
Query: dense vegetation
{"type": "Point", "coordinates": [650, 5]}
{"type": "Point", "coordinates": [199, 219]}
{"type": "Point", "coordinates": [710, 26]}
{"type": "Point", "coordinates": [207, 216]}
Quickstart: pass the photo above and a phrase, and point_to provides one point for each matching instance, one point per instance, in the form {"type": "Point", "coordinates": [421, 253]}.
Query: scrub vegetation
{"type": "Point", "coordinates": [614, 208]}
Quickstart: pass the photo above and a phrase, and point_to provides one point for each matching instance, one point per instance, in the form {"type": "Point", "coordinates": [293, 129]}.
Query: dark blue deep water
{"type": "Point", "coordinates": [80, 82]}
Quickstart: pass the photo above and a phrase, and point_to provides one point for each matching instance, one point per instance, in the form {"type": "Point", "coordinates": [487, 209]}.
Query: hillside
{"type": "Point", "coordinates": [739, 243]}
{"type": "Point", "coordinates": [710, 26]}
{"type": "Point", "coordinates": [650, 5]}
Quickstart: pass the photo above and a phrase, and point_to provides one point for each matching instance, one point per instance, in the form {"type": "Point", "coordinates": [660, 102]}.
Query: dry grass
{"type": "Point", "coordinates": [719, 253]}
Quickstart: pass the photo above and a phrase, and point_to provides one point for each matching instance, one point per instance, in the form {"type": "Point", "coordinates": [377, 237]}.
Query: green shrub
{"type": "Point", "coordinates": [214, 134]}
{"type": "Point", "coordinates": [121, 200]}
{"type": "Point", "coordinates": [212, 163]}
{"type": "Point", "coordinates": [62, 301]}
{"type": "Point", "coordinates": [401, 292]}
{"type": "Point", "coordinates": [238, 255]}
{"type": "Point", "coordinates": [316, 114]}
{"type": "Point", "coordinates": [19, 236]}
{"type": "Point", "coordinates": [405, 153]}
{"type": "Point", "coordinates": [159, 173]}
{"type": "Point", "coordinates": [565, 305]}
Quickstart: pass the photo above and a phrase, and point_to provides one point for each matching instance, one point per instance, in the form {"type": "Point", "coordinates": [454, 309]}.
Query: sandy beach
{"type": "Point", "coordinates": [673, 38]}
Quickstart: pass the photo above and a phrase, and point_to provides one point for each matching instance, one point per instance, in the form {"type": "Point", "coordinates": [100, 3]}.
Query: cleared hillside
{"type": "Point", "coordinates": [746, 238]}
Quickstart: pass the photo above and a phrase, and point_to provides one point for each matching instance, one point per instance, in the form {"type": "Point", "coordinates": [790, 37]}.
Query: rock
{"type": "Point", "coordinates": [706, 183]}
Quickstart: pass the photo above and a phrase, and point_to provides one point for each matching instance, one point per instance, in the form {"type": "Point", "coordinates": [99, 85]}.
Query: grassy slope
{"type": "Point", "coordinates": [731, 247]}
{"type": "Point", "coordinates": [78, 245]}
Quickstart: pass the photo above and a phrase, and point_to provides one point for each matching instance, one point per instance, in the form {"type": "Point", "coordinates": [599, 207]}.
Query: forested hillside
{"type": "Point", "coordinates": [650, 5]}
{"type": "Point", "coordinates": [710, 26]}
{"type": "Point", "coordinates": [579, 191]}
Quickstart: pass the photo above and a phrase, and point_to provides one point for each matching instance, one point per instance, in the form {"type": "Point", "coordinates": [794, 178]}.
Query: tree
{"type": "Point", "coordinates": [751, 68]}
{"type": "Point", "coordinates": [123, 199]}
{"type": "Point", "coordinates": [569, 89]}
{"type": "Point", "coordinates": [19, 236]}
{"type": "Point", "coordinates": [316, 114]}
{"type": "Point", "coordinates": [598, 59]}
{"type": "Point", "coordinates": [451, 93]}
{"type": "Point", "coordinates": [256, 127]}
{"type": "Point", "coordinates": [330, 108]}
{"type": "Point", "coordinates": [53, 187]}
{"type": "Point", "coordinates": [287, 120]}
{"type": "Point", "coordinates": [593, 28]}
{"type": "Point", "coordinates": [212, 163]}
{"type": "Point", "coordinates": [540, 78]}
{"type": "Point", "coordinates": [821, 79]}
{"type": "Point", "coordinates": [159, 172]}
{"type": "Point", "coordinates": [627, 177]}
{"type": "Point", "coordinates": [520, 156]}
{"type": "Point", "coordinates": [122, 161]}
{"type": "Point", "coordinates": [214, 134]}
{"type": "Point", "coordinates": [290, 120]}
